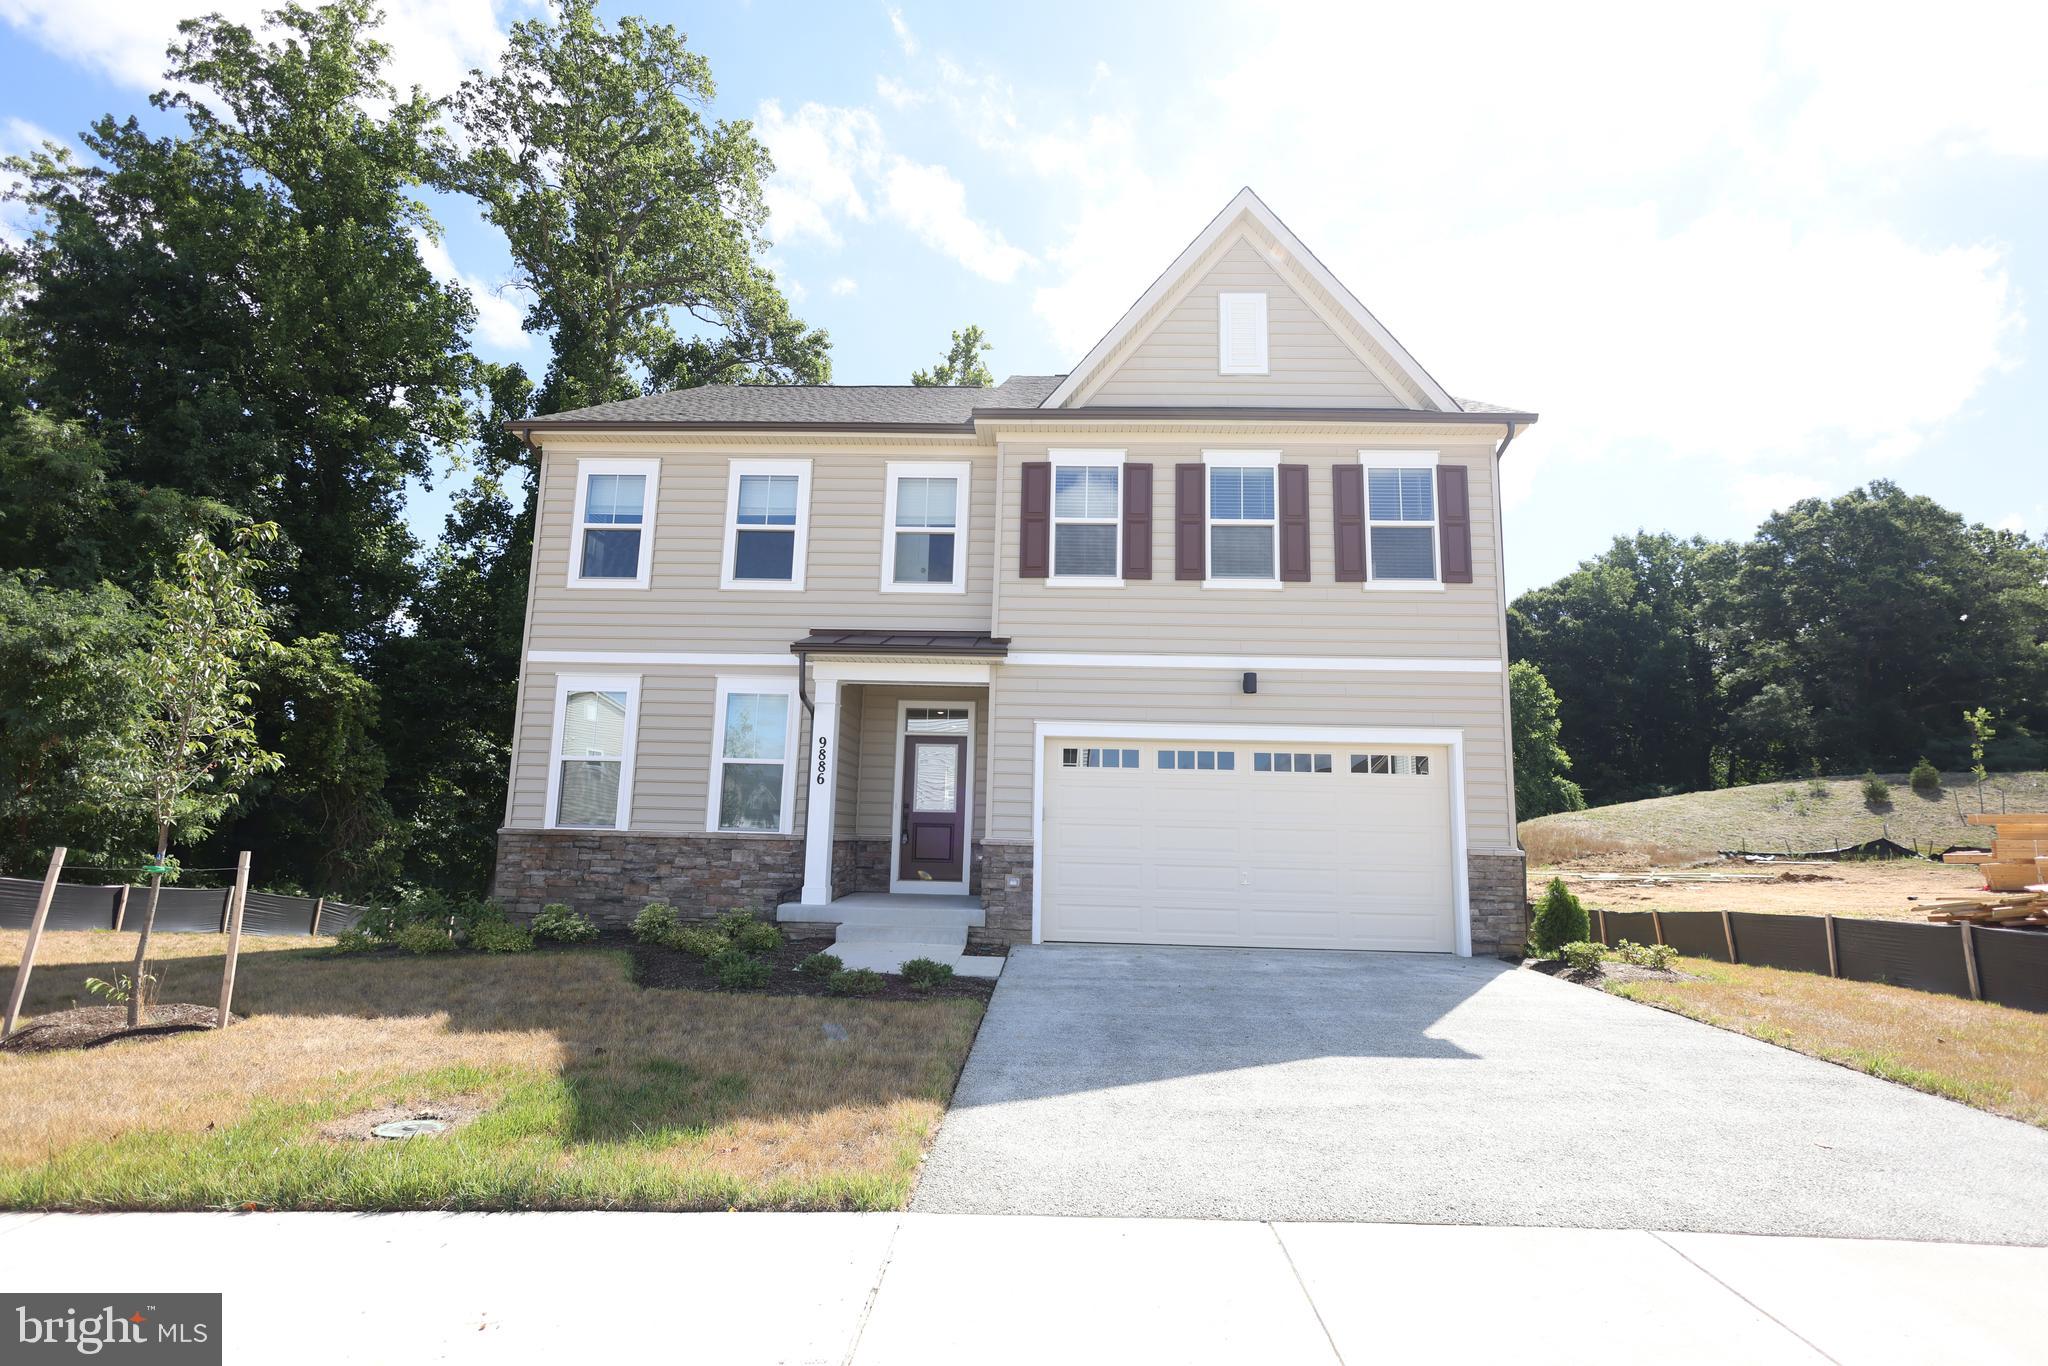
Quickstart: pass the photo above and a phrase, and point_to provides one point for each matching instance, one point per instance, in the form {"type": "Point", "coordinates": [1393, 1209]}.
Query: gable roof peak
{"type": "Point", "coordinates": [1245, 205]}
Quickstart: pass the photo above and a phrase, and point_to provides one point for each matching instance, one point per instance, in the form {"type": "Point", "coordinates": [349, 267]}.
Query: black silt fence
{"type": "Point", "coordinates": [1924, 957]}
{"type": "Point", "coordinates": [2012, 966]}
{"type": "Point", "coordinates": [180, 910]}
{"type": "Point", "coordinates": [1635, 926]}
{"type": "Point", "coordinates": [1796, 943]}
{"type": "Point", "coordinates": [1696, 934]}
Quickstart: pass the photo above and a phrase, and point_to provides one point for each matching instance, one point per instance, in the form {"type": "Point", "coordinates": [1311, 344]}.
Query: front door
{"type": "Point", "coordinates": [933, 844]}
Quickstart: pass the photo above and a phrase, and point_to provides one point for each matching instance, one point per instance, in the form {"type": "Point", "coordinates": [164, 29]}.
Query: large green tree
{"type": "Point", "coordinates": [1541, 764]}
{"type": "Point", "coordinates": [963, 363]}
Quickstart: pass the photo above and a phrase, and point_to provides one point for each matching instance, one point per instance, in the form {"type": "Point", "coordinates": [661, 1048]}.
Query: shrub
{"type": "Point", "coordinates": [564, 926]}
{"type": "Point", "coordinates": [655, 923]}
{"type": "Point", "coordinates": [738, 971]}
{"type": "Point", "coordinates": [699, 940]}
{"type": "Point", "coordinates": [1925, 777]}
{"type": "Point", "coordinates": [353, 940]}
{"type": "Point", "coordinates": [854, 982]}
{"type": "Point", "coordinates": [423, 936]}
{"type": "Point", "coordinates": [820, 965]}
{"type": "Point", "coordinates": [1559, 920]}
{"type": "Point", "coordinates": [1876, 791]}
{"type": "Point", "coordinates": [757, 936]}
{"type": "Point", "coordinates": [1582, 955]}
{"type": "Point", "coordinates": [500, 938]}
{"type": "Point", "coordinates": [730, 923]}
{"type": "Point", "coordinates": [1658, 956]}
{"type": "Point", "coordinates": [926, 973]}
{"type": "Point", "coordinates": [120, 989]}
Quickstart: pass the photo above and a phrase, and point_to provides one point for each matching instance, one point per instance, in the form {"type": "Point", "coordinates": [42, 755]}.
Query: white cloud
{"type": "Point", "coordinates": [434, 43]}
{"type": "Point", "coordinates": [830, 161]}
{"type": "Point", "coordinates": [844, 286]}
{"type": "Point", "coordinates": [498, 319]}
{"type": "Point", "coordinates": [1760, 495]}
{"type": "Point", "coordinates": [904, 36]}
{"type": "Point", "coordinates": [2012, 521]}
{"type": "Point", "coordinates": [897, 95]}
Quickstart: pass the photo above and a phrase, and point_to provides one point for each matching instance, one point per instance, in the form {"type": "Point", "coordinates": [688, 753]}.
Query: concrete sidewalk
{"type": "Point", "coordinates": [888, 1288]}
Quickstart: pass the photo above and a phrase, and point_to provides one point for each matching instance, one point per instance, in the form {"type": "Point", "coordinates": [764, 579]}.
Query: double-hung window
{"type": "Point", "coordinates": [753, 738]}
{"type": "Point", "coordinates": [1087, 517]}
{"type": "Point", "coordinates": [612, 545]}
{"type": "Point", "coordinates": [1400, 498]}
{"type": "Point", "coordinates": [590, 782]}
{"type": "Point", "coordinates": [924, 528]}
{"type": "Point", "coordinates": [767, 524]}
{"type": "Point", "coordinates": [1244, 528]}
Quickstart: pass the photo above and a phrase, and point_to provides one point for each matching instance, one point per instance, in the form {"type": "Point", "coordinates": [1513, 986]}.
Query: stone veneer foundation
{"type": "Point", "coordinates": [1499, 887]}
{"type": "Point", "coordinates": [609, 876]}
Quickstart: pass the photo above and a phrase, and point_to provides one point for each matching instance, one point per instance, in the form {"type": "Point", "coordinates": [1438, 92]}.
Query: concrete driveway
{"type": "Point", "coordinates": [1244, 1084]}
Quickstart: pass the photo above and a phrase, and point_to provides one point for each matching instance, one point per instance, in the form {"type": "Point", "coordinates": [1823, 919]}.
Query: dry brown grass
{"type": "Point", "coordinates": [1556, 840]}
{"type": "Point", "coordinates": [682, 1099]}
{"type": "Point", "coordinates": [1992, 1057]}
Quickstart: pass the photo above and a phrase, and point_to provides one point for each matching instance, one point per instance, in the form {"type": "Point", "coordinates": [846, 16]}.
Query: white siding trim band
{"type": "Point", "coordinates": [781, 661]}
{"type": "Point", "coordinates": [1302, 663]}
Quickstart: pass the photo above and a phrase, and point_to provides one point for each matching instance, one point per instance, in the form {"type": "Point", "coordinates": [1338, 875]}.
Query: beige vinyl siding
{"type": "Point", "coordinates": [1309, 364]}
{"type": "Point", "coordinates": [1212, 697]}
{"type": "Point", "coordinates": [877, 798]}
{"type": "Point", "coordinates": [683, 609]}
{"type": "Point", "coordinates": [672, 758]}
{"type": "Point", "coordinates": [1320, 617]}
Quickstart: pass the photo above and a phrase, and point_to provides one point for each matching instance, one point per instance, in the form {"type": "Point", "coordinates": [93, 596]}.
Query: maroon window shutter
{"type": "Point", "coordinates": [1137, 521]}
{"type": "Point", "coordinates": [1190, 513]}
{"type": "Point", "coordinates": [1454, 523]}
{"type": "Point", "coordinates": [1293, 488]}
{"type": "Point", "coordinates": [1034, 521]}
{"type": "Point", "coordinates": [1347, 492]}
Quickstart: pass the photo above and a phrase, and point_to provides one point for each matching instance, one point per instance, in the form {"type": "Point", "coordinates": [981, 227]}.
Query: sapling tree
{"type": "Point", "coordinates": [1979, 722]}
{"type": "Point", "coordinates": [189, 743]}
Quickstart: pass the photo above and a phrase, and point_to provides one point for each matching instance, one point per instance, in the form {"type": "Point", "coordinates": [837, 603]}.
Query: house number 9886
{"type": "Point", "coordinates": [823, 741]}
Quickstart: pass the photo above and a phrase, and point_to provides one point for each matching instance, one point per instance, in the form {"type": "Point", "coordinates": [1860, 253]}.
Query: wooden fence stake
{"type": "Point", "coordinates": [1970, 960]}
{"type": "Point", "coordinates": [1657, 926]}
{"type": "Point", "coordinates": [120, 906]}
{"type": "Point", "coordinates": [1728, 933]}
{"type": "Point", "coordinates": [1602, 915]}
{"type": "Point", "coordinates": [1834, 956]}
{"type": "Point", "coordinates": [313, 926]}
{"type": "Point", "coordinates": [236, 899]}
{"type": "Point", "coordinates": [28, 947]}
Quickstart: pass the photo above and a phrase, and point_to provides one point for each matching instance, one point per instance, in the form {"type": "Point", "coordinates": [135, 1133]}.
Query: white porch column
{"type": "Point", "coordinates": [821, 772]}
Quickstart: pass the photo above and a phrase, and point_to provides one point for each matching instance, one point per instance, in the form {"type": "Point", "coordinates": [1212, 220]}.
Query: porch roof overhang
{"type": "Point", "coordinates": [933, 645]}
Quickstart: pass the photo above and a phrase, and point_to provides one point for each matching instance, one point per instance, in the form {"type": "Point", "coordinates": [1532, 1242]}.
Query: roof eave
{"type": "Point", "coordinates": [1403, 416]}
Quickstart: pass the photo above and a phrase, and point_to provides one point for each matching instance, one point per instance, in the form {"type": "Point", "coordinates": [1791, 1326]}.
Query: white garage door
{"type": "Point", "coordinates": [1310, 846]}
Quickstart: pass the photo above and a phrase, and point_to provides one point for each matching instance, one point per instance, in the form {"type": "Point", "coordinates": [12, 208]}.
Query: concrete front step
{"type": "Point", "coordinates": [880, 908]}
{"type": "Point", "coordinates": [944, 940]}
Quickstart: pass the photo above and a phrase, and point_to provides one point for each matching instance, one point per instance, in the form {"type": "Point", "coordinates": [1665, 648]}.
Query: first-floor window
{"type": "Point", "coordinates": [593, 752]}
{"type": "Point", "coordinates": [750, 788]}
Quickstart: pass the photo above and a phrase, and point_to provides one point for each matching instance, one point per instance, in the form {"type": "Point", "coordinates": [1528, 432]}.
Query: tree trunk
{"type": "Point", "coordinates": [136, 973]}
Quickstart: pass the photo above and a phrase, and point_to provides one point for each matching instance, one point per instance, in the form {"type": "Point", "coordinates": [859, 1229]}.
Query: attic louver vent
{"type": "Point", "coordinates": [1241, 333]}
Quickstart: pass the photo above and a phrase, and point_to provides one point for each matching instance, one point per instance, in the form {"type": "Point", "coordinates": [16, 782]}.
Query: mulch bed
{"type": "Point", "coordinates": [1610, 971]}
{"type": "Point", "coordinates": [92, 1026]}
{"type": "Point", "coordinates": [675, 970]}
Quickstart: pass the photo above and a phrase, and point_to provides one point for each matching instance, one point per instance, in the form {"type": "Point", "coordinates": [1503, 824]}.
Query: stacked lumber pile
{"type": "Point", "coordinates": [2016, 862]}
{"type": "Point", "coordinates": [2026, 912]}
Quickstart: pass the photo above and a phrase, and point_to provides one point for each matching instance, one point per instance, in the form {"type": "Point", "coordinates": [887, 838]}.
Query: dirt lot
{"type": "Point", "coordinates": [1874, 891]}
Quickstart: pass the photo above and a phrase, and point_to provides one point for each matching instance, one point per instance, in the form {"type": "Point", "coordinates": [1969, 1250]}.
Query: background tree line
{"type": "Point", "coordinates": [1847, 634]}
{"type": "Point", "coordinates": [235, 324]}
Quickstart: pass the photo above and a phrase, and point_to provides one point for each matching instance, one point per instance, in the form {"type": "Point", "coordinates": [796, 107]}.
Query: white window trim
{"type": "Point", "coordinates": [1224, 300]}
{"type": "Point", "coordinates": [584, 469]}
{"type": "Point", "coordinates": [752, 683]}
{"type": "Point", "coordinates": [1402, 460]}
{"type": "Point", "coordinates": [738, 469]}
{"type": "Point", "coordinates": [565, 684]}
{"type": "Point", "coordinates": [959, 471]}
{"type": "Point", "coordinates": [1082, 459]}
{"type": "Point", "coordinates": [1240, 460]}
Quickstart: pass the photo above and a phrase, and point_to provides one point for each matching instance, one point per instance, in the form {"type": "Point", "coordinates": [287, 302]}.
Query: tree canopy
{"type": "Point", "coordinates": [963, 363]}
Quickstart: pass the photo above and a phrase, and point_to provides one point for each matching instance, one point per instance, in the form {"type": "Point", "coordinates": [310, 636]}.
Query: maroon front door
{"type": "Point", "coordinates": [933, 845]}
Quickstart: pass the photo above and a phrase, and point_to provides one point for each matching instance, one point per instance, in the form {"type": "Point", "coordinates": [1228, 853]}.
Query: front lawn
{"type": "Point", "coordinates": [579, 1089]}
{"type": "Point", "coordinates": [1992, 1057]}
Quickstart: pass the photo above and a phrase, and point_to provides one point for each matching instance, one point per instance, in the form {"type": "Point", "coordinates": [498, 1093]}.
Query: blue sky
{"type": "Point", "coordinates": [1734, 256]}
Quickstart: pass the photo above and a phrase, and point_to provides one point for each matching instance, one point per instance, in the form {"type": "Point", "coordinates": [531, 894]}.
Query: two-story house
{"type": "Point", "coordinates": [1201, 643]}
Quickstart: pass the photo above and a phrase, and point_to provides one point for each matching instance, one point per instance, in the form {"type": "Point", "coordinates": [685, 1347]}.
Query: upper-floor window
{"type": "Point", "coordinates": [1087, 516]}
{"type": "Point", "coordinates": [590, 782]}
{"type": "Point", "coordinates": [755, 735]}
{"type": "Point", "coordinates": [924, 528]}
{"type": "Point", "coordinates": [1241, 334]}
{"type": "Point", "coordinates": [767, 524]}
{"type": "Point", "coordinates": [1244, 527]}
{"type": "Point", "coordinates": [612, 545]}
{"type": "Point", "coordinates": [1400, 498]}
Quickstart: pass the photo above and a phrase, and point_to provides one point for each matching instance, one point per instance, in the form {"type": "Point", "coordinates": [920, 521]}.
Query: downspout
{"type": "Point", "coordinates": [1502, 447]}
{"type": "Point", "coordinates": [803, 665]}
